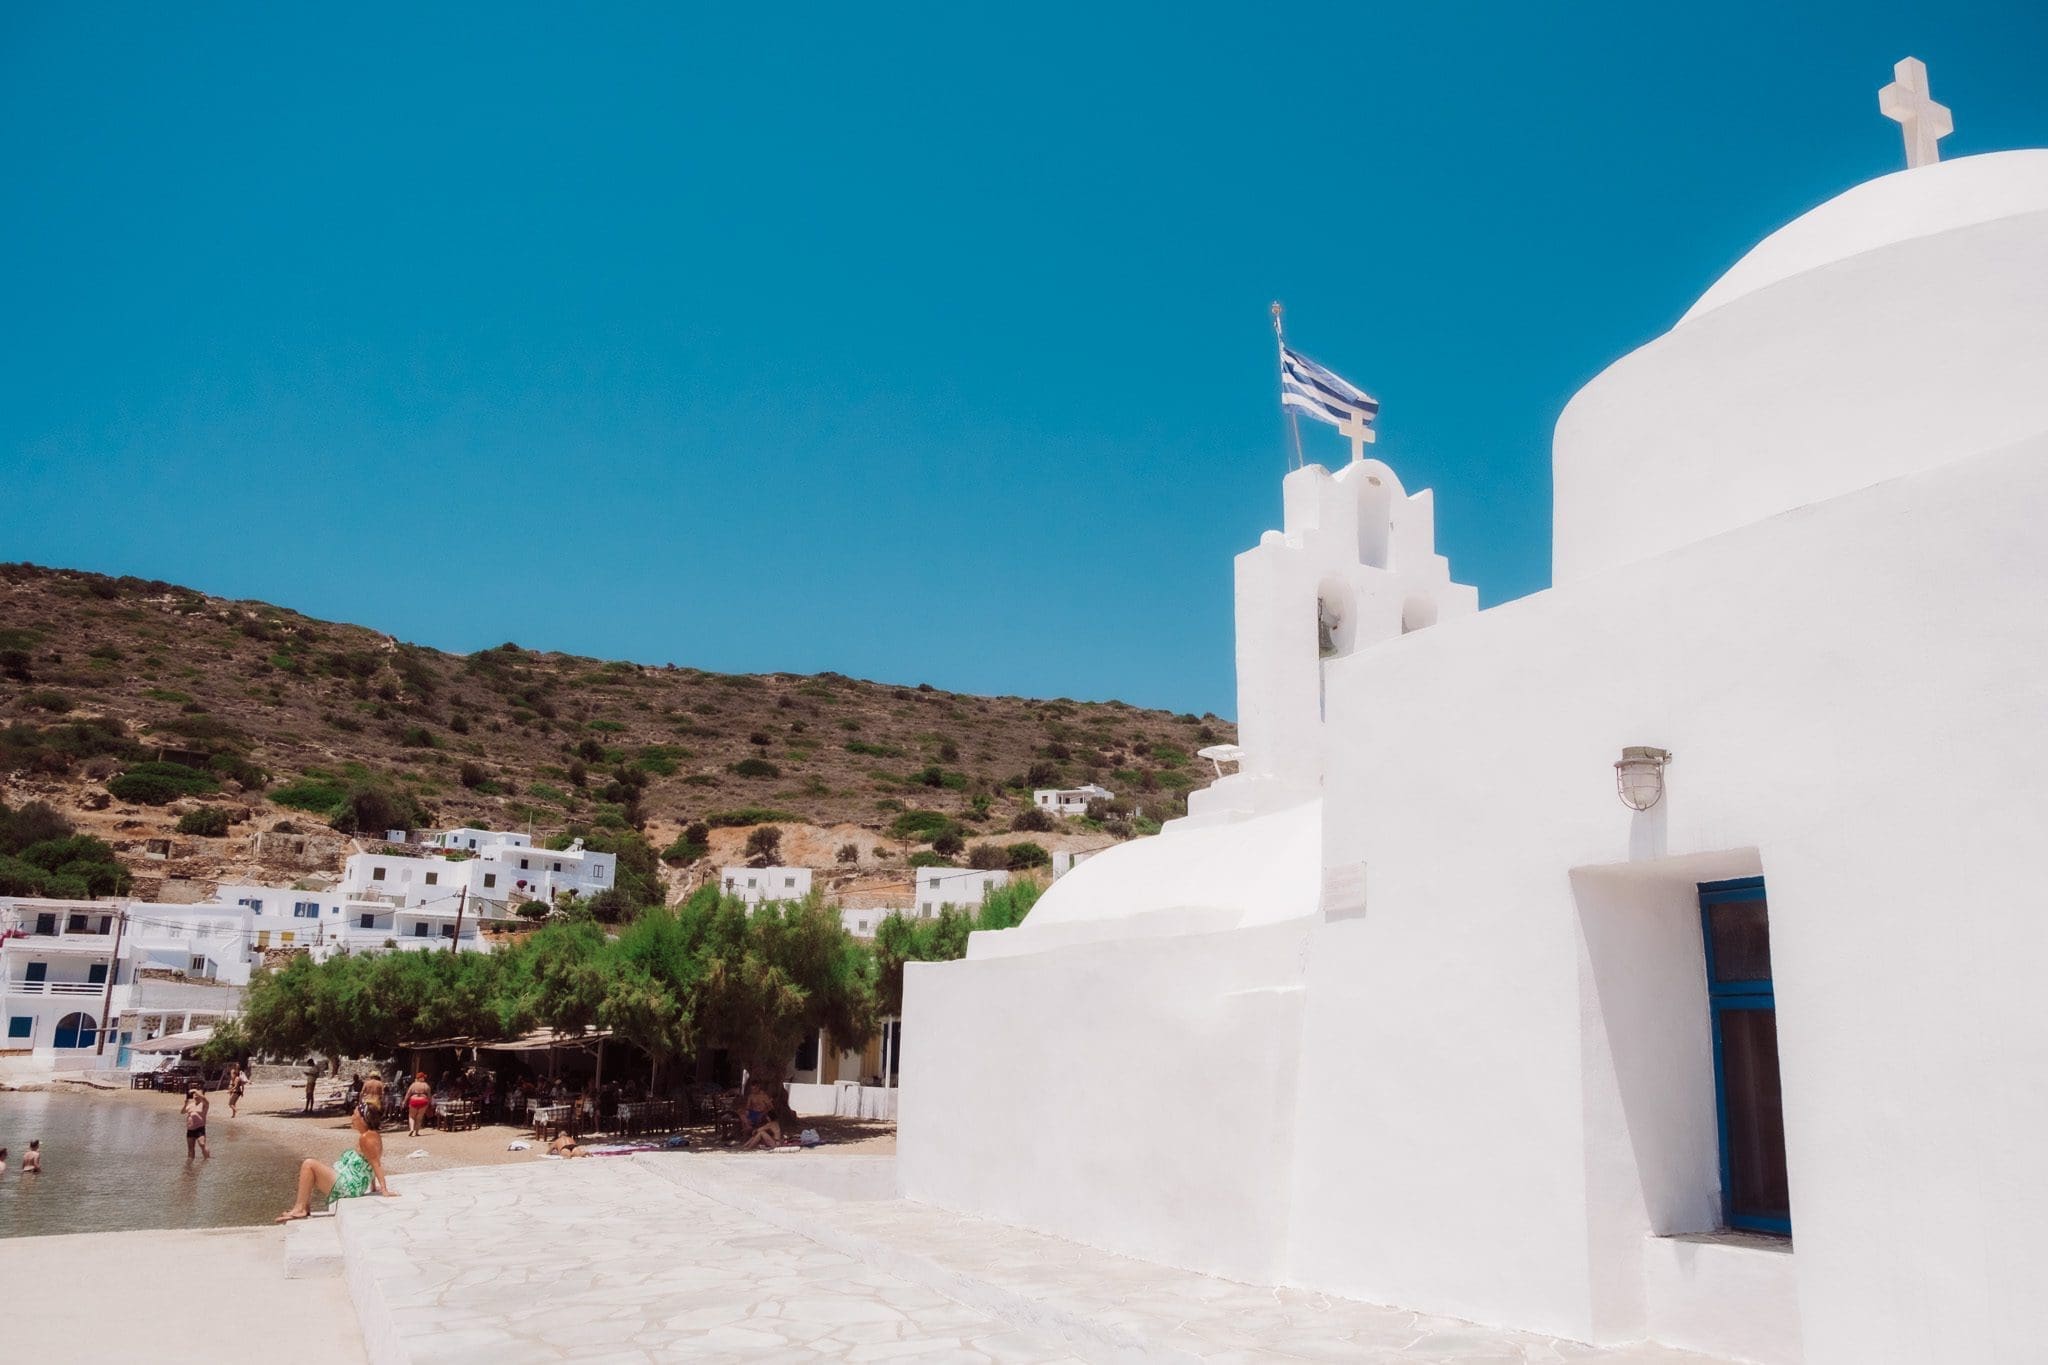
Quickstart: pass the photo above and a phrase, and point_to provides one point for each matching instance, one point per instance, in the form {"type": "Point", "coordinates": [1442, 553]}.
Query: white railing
{"type": "Point", "coordinates": [56, 987]}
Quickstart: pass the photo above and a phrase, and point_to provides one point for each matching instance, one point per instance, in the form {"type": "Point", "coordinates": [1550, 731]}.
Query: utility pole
{"type": "Point", "coordinates": [113, 970]}
{"type": "Point", "coordinates": [455, 944]}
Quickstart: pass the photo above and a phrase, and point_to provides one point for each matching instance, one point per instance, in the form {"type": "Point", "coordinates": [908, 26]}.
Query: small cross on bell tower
{"type": "Point", "coordinates": [1907, 102]}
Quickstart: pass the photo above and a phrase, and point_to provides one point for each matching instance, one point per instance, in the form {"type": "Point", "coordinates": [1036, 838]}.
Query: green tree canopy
{"type": "Point", "coordinates": [773, 974]}
{"type": "Point", "coordinates": [901, 938]}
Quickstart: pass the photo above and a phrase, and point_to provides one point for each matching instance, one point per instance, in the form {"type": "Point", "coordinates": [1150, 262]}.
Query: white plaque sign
{"type": "Point", "coordinates": [1344, 891]}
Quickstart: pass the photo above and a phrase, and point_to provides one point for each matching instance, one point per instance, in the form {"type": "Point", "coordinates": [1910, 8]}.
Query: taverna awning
{"type": "Point", "coordinates": [542, 1040]}
{"type": "Point", "coordinates": [175, 1042]}
{"type": "Point", "coordinates": [539, 1040]}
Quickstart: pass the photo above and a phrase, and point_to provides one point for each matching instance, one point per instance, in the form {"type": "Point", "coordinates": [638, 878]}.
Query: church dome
{"type": "Point", "coordinates": [1899, 327]}
{"type": "Point", "coordinates": [1882, 212]}
{"type": "Point", "coordinates": [1192, 878]}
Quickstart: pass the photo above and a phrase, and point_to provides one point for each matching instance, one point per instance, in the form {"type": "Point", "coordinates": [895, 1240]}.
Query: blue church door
{"type": "Point", "coordinates": [1755, 1188]}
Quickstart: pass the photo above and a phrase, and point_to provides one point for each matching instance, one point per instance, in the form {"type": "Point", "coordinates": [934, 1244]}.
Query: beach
{"type": "Point", "coordinates": [209, 1293]}
{"type": "Point", "coordinates": [277, 1111]}
{"type": "Point", "coordinates": [258, 1151]}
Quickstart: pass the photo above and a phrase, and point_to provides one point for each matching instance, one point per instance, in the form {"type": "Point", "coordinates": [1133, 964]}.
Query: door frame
{"type": "Point", "coordinates": [1735, 995]}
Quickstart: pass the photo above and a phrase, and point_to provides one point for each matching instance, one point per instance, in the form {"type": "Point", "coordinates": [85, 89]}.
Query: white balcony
{"type": "Point", "coordinates": [94, 989]}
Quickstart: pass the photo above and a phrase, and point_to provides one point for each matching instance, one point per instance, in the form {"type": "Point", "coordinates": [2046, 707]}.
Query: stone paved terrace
{"type": "Point", "coordinates": [804, 1256]}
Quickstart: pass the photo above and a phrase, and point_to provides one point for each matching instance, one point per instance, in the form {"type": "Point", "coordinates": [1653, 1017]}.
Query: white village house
{"type": "Point", "coordinates": [757, 885]}
{"type": "Point", "coordinates": [146, 969]}
{"type": "Point", "coordinates": [1070, 800]}
{"type": "Point", "coordinates": [963, 888]}
{"type": "Point", "coordinates": [1656, 957]}
{"type": "Point", "coordinates": [180, 966]}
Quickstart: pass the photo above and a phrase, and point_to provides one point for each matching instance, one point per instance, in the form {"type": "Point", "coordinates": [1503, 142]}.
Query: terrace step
{"type": "Point", "coordinates": [312, 1248]}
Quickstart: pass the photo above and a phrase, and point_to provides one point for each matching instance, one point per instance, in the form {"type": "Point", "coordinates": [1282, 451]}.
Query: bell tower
{"type": "Point", "coordinates": [1354, 566]}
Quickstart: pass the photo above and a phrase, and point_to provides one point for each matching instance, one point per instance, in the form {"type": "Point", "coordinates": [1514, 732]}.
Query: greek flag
{"type": "Point", "coordinates": [1309, 388]}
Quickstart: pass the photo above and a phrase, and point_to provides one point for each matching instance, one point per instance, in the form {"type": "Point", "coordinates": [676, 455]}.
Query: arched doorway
{"type": "Point", "coordinates": [75, 1031]}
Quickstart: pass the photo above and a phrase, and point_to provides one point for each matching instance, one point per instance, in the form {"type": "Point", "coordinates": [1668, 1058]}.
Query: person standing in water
{"type": "Point", "coordinates": [33, 1161]}
{"type": "Point", "coordinates": [196, 1105]}
{"type": "Point", "coordinates": [237, 1083]}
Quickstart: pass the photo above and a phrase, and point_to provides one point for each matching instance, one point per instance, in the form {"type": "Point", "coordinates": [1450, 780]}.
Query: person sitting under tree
{"type": "Point", "coordinates": [757, 1121]}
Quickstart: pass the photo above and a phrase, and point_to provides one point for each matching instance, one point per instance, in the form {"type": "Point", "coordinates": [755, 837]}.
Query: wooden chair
{"type": "Point", "coordinates": [725, 1118]}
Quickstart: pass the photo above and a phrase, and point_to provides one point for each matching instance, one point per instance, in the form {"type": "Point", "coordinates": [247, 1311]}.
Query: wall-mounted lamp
{"type": "Point", "coordinates": [1639, 777]}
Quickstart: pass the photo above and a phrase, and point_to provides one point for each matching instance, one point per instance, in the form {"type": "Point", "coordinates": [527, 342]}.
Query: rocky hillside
{"type": "Point", "coordinates": [131, 705]}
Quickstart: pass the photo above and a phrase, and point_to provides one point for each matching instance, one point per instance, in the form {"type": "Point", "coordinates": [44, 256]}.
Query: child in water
{"type": "Point", "coordinates": [33, 1161]}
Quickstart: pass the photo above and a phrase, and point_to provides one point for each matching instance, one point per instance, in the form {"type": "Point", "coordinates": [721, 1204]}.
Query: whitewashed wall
{"type": "Point", "coordinates": [1866, 721]}
{"type": "Point", "coordinates": [1811, 567]}
{"type": "Point", "coordinates": [1136, 1096]}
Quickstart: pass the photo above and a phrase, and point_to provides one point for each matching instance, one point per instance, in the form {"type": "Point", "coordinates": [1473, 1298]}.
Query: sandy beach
{"type": "Point", "coordinates": [180, 1287]}
{"type": "Point", "coordinates": [276, 1110]}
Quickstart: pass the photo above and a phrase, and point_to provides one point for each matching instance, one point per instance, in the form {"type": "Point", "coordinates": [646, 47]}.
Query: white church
{"type": "Point", "coordinates": [1659, 957]}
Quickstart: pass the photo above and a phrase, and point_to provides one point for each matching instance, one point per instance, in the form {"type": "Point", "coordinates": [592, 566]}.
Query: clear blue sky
{"type": "Point", "coordinates": [925, 343]}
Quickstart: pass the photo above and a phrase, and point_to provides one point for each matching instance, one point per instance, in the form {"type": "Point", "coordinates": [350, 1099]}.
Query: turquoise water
{"type": "Point", "coordinates": [112, 1165]}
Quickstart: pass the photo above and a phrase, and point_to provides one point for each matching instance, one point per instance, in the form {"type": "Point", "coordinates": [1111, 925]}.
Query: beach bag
{"type": "Point", "coordinates": [808, 1138]}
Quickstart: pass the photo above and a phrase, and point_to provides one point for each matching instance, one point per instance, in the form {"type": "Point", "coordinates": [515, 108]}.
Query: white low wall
{"type": "Point", "coordinates": [843, 1099]}
{"type": "Point", "coordinates": [1728, 1296]}
{"type": "Point", "coordinates": [1095, 1091]}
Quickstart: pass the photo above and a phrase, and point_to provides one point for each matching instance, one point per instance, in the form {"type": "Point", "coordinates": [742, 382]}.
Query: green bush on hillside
{"type": "Point", "coordinates": [684, 850]}
{"type": "Point", "coordinates": [55, 748]}
{"type": "Point", "coordinates": [320, 795]}
{"type": "Point", "coordinates": [750, 815]}
{"type": "Point", "coordinates": [1021, 856]}
{"type": "Point", "coordinates": [659, 759]}
{"type": "Point", "coordinates": [922, 826]}
{"type": "Point", "coordinates": [158, 783]}
{"type": "Point", "coordinates": [40, 855]}
{"type": "Point", "coordinates": [209, 822]}
{"type": "Point", "coordinates": [358, 803]}
{"type": "Point", "coordinates": [863, 747]}
{"type": "Point", "coordinates": [235, 768]}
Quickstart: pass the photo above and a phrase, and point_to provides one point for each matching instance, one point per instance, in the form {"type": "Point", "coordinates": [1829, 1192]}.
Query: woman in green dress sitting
{"type": "Point", "coordinates": [358, 1171]}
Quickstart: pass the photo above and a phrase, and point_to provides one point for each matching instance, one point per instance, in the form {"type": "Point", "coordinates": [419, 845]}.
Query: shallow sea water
{"type": "Point", "coordinates": [112, 1166]}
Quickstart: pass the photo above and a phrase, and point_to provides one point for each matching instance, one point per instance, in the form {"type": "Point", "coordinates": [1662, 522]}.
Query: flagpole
{"type": "Point", "coordinates": [1293, 417]}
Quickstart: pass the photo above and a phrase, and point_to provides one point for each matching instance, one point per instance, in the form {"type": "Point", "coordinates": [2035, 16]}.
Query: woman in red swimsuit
{"type": "Point", "coordinates": [418, 1097]}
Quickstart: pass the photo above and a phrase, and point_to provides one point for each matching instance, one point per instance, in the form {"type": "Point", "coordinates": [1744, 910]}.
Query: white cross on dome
{"type": "Point", "coordinates": [1907, 102]}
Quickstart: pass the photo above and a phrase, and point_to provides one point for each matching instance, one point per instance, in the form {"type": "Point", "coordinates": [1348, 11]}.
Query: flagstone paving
{"type": "Point", "coordinates": [800, 1255]}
